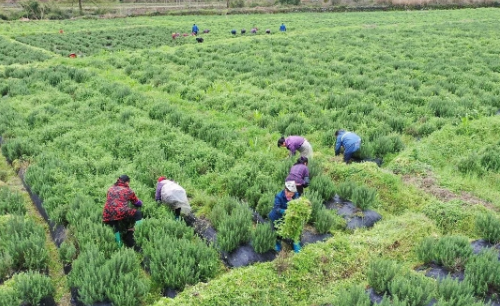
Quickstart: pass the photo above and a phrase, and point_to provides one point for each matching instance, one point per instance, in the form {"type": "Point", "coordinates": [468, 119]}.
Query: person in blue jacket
{"type": "Point", "coordinates": [282, 28]}
{"type": "Point", "coordinates": [351, 143]}
{"type": "Point", "coordinates": [195, 29]}
{"type": "Point", "coordinates": [280, 205]}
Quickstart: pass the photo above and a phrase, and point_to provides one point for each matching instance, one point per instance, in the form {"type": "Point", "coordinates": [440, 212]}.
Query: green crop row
{"type": "Point", "coordinates": [95, 41]}
{"type": "Point", "coordinates": [14, 53]}
{"type": "Point", "coordinates": [24, 258]}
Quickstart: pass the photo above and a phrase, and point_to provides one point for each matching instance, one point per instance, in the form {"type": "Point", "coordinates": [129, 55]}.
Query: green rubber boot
{"type": "Point", "coordinates": [118, 239]}
{"type": "Point", "coordinates": [137, 223]}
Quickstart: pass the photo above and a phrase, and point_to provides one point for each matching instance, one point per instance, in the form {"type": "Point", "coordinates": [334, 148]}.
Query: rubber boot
{"type": "Point", "coordinates": [296, 247]}
{"type": "Point", "coordinates": [277, 247]}
{"type": "Point", "coordinates": [118, 239]}
{"type": "Point", "coordinates": [177, 214]}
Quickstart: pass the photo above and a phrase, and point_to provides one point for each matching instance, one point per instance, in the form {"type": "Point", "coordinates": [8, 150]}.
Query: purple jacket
{"type": "Point", "coordinates": [159, 185]}
{"type": "Point", "coordinates": [293, 143]}
{"type": "Point", "coordinates": [297, 173]}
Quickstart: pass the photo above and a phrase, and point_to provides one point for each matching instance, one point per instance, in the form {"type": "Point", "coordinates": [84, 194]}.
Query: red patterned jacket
{"type": "Point", "coordinates": [116, 207]}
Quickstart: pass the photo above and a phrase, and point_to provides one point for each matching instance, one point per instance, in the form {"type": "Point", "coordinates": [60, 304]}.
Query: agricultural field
{"type": "Point", "coordinates": [419, 87]}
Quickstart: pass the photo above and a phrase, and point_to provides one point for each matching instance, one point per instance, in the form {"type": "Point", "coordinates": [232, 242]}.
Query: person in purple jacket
{"type": "Point", "coordinates": [296, 143]}
{"type": "Point", "coordinates": [299, 173]}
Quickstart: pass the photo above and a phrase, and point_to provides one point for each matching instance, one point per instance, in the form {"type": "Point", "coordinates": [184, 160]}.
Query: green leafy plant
{"type": "Point", "coordinates": [6, 264]}
{"type": "Point", "coordinates": [482, 272]}
{"type": "Point", "coordinates": [263, 238]}
{"type": "Point", "coordinates": [325, 220]}
{"type": "Point", "coordinates": [454, 292]}
{"type": "Point", "coordinates": [380, 274]}
{"type": "Point", "coordinates": [67, 252]}
{"type": "Point", "coordinates": [346, 189]}
{"type": "Point", "coordinates": [99, 279]}
{"type": "Point", "coordinates": [386, 301]}
{"type": "Point", "coordinates": [234, 230]}
{"type": "Point", "coordinates": [296, 216]}
{"type": "Point", "coordinates": [363, 197]}
{"type": "Point", "coordinates": [324, 186]}
{"type": "Point", "coordinates": [8, 296]}
{"type": "Point", "coordinates": [11, 202]}
{"type": "Point", "coordinates": [31, 287]}
{"type": "Point", "coordinates": [354, 295]}
{"type": "Point", "coordinates": [453, 252]}
{"type": "Point", "coordinates": [316, 205]}
{"type": "Point", "coordinates": [416, 289]}
{"type": "Point", "coordinates": [488, 227]}
{"type": "Point", "coordinates": [426, 250]}
{"type": "Point", "coordinates": [265, 204]}
{"type": "Point", "coordinates": [24, 241]}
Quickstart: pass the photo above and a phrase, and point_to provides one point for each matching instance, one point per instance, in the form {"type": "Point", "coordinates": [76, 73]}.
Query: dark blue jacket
{"type": "Point", "coordinates": [350, 141]}
{"type": "Point", "coordinates": [280, 205]}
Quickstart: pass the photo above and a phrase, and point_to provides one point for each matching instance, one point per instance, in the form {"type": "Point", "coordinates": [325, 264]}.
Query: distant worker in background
{"type": "Point", "coordinates": [282, 28]}
{"type": "Point", "coordinates": [351, 143]}
{"type": "Point", "coordinates": [280, 206]}
{"type": "Point", "coordinates": [268, 31]}
{"type": "Point", "coordinates": [233, 31]}
{"type": "Point", "coordinates": [171, 193]}
{"type": "Point", "coordinates": [299, 173]}
{"type": "Point", "coordinates": [294, 143]}
{"type": "Point", "coordinates": [116, 212]}
{"type": "Point", "coordinates": [195, 29]}
{"type": "Point", "coordinates": [175, 35]}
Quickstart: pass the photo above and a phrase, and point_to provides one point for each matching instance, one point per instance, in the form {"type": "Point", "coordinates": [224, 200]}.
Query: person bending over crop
{"type": "Point", "coordinates": [282, 28]}
{"type": "Point", "coordinates": [294, 143]}
{"type": "Point", "coordinates": [280, 205]}
{"type": "Point", "coordinates": [174, 195]}
{"type": "Point", "coordinates": [195, 29]}
{"type": "Point", "coordinates": [116, 210]}
{"type": "Point", "coordinates": [351, 143]}
{"type": "Point", "coordinates": [299, 173]}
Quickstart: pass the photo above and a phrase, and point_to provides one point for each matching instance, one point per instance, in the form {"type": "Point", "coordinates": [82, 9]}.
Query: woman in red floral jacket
{"type": "Point", "coordinates": [116, 209]}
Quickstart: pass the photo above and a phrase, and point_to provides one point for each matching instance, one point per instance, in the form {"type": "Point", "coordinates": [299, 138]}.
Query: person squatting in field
{"type": "Point", "coordinates": [351, 143]}
{"type": "Point", "coordinates": [299, 173]}
{"type": "Point", "coordinates": [294, 143]}
{"type": "Point", "coordinates": [168, 191]}
{"type": "Point", "coordinates": [282, 28]}
{"type": "Point", "coordinates": [280, 205]}
{"type": "Point", "coordinates": [116, 210]}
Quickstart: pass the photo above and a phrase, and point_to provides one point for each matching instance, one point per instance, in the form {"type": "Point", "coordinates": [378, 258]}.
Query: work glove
{"type": "Point", "coordinates": [282, 211]}
{"type": "Point", "coordinates": [138, 203]}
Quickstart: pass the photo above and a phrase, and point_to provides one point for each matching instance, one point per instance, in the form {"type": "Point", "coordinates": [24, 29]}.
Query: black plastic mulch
{"type": "Point", "coordinates": [376, 298]}
{"type": "Point", "coordinates": [57, 232]}
{"type": "Point", "coordinates": [46, 301]}
{"type": "Point", "coordinates": [481, 244]}
{"type": "Point", "coordinates": [354, 217]}
{"type": "Point", "coordinates": [245, 255]}
{"type": "Point", "coordinates": [76, 301]}
{"type": "Point", "coordinates": [439, 272]}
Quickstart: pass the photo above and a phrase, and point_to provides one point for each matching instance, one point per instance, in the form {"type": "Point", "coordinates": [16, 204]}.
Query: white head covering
{"type": "Point", "coordinates": [290, 186]}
